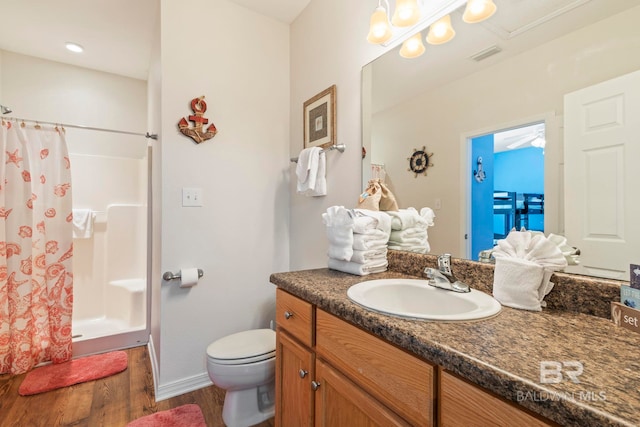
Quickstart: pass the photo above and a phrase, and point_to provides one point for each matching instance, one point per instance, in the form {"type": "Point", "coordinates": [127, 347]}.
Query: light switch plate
{"type": "Point", "coordinates": [191, 197]}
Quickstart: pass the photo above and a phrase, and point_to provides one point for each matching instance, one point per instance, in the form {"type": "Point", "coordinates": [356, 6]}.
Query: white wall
{"type": "Point", "coordinates": [239, 61]}
{"type": "Point", "coordinates": [328, 46]}
{"type": "Point", "coordinates": [512, 91]}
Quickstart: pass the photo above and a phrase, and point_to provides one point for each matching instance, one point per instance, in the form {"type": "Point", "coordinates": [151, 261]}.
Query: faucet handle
{"type": "Point", "coordinates": [444, 264]}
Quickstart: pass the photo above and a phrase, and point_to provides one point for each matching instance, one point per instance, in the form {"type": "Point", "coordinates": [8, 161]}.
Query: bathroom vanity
{"type": "Point", "coordinates": [341, 364]}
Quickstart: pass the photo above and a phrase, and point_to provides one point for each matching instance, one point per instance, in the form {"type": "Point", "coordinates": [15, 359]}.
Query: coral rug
{"type": "Point", "coordinates": [76, 371]}
{"type": "Point", "coordinates": [181, 416]}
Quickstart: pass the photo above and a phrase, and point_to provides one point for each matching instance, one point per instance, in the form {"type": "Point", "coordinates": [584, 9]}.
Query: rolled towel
{"type": "Point", "coordinates": [520, 283]}
{"type": "Point", "coordinates": [358, 269]}
{"type": "Point", "coordinates": [364, 257]}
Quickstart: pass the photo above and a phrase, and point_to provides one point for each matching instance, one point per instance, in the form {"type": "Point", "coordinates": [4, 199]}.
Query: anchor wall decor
{"type": "Point", "coordinates": [196, 132]}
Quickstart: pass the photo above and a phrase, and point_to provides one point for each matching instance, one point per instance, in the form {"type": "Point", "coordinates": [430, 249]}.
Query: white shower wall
{"type": "Point", "coordinates": [110, 266]}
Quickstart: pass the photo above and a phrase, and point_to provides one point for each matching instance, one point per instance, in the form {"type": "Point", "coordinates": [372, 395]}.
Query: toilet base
{"type": "Point", "coordinates": [244, 408]}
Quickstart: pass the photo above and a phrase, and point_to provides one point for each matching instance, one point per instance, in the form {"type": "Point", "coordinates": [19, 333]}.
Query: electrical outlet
{"type": "Point", "coordinates": [192, 197]}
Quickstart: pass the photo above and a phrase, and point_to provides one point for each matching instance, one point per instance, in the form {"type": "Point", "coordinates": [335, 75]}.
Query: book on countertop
{"type": "Point", "coordinates": [634, 272]}
{"type": "Point", "coordinates": [630, 296]}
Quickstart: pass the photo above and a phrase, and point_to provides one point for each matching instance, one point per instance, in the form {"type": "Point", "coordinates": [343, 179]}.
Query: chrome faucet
{"type": "Point", "coordinates": [443, 277]}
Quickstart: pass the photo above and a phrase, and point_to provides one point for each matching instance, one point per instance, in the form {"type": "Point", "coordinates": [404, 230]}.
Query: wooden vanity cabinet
{"type": "Point", "coordinates": [330, 373]}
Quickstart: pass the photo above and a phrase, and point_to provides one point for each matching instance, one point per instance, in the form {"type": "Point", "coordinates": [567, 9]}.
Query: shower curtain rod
{"type": "Point", "coordinates": [146, 135]}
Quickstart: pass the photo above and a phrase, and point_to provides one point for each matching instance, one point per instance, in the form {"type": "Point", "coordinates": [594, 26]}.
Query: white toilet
{"type": "Point", "coordinates": [244, 365]}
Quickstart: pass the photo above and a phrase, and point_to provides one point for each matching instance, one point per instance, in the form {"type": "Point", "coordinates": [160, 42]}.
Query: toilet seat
{"type": "Point", "coordinates": [243, 347]}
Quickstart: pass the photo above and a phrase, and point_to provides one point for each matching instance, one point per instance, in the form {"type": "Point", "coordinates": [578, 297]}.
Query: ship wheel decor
{"type": "Point", "coordinates": [197, 133]}
{"type": "Point", "coordinates": [419, 161]}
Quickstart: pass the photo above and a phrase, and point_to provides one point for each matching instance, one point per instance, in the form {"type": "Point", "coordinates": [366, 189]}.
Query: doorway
{"type": "Point", "coordinates": [507, 184]}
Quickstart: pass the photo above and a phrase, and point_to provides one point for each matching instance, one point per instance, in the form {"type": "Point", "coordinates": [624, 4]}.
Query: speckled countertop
{"type": "Point", "coordinates": [503, 353]}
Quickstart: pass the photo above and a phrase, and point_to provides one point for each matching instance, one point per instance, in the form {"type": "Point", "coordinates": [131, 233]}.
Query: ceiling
{"type": "Point", "coordinates": [117, 35]}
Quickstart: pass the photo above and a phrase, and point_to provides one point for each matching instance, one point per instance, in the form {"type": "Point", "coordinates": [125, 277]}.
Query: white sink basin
{"type": "Point", "coordinates": [415, 298]}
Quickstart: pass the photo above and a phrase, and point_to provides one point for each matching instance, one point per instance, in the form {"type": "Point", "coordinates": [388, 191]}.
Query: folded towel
{"type": "Point", "coordinates": [424, 248]}
{"type": "Point", "coordinates": [362, 224]}
{"type": "Point", "coordinates": [358, 269]}
{"type": "Point", "coordinates": [429, 215]}
{"type": "Point", "coordinates": [310, 171]}
{"type": "Point", "coordinates": [364, 257]}
{"type": "Point", "coordinates": [408, 235]}
{"type": "Point", "coordinates": [525, 262]}
{"type": "Point", "coordinates": [338, 216]}
{"type": "Point", "coordinates": [375, 240]}
{"type": "Point", "coordinates": [518, 283]}
{"type": "Point", "coordinates": [406, 218]}
{"type": "Point", "coordinates": [384, 220]}
{"type": "Point", "coordinates": [83, 223]}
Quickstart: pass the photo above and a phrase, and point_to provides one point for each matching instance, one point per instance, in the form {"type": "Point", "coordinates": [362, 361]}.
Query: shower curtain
{"type": "Point", "coordinates": [36, 247]}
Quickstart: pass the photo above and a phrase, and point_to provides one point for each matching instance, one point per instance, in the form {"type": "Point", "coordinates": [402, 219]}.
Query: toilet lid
{"type": "Point", "coordinates": [256, 344]}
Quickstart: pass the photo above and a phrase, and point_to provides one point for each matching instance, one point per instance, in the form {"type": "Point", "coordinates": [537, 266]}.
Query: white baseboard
{"type": "Point", "coordinates": [175, 388]}
{"type": "Point", "coordinates": [185, 385]}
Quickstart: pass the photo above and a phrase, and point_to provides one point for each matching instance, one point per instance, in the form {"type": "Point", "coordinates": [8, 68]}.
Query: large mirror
{"type": "Point", "coordinates": [507, 72]}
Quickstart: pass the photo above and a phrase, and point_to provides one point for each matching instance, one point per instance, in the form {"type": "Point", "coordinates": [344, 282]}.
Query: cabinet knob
{"type": "Point", "coordinates": [315, 385]}
{"type": "Point", "coordinates": [288, 315]}
{"type": "Point", "coordinates": [303, 373]}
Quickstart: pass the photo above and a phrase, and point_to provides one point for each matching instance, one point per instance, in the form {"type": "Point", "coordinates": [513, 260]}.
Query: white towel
{"type": "Point", "coordinates": [409, 235]}
{"type": "Point", "coordinates": [83, 223]}
{"type": "Point", "coordinates": [525, 262]}
{"type": "Point", "coordinates": [406, 218]}
{"type": "Point", "coordinates": [311, 172]}
{"type": "Point", "coordinates": [383, 220]}
{"type": "Point", "coordinates": [423, 248]}
{"type": "Point", "coordinates": [358, 269]}
{"type": "Point", "coordinates": [365, 257]}
{"type": "Point", "coordinates": [377, 239]}
{"type": "Point", "coordinates": [518, 283]}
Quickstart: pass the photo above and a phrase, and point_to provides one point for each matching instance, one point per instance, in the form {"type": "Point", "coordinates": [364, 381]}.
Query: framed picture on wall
{"type": "Point", "coordinates": [319, 116]}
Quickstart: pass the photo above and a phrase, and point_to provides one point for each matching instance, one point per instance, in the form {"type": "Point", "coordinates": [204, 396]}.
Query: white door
{"type": "Point", "coordinates": [602, 175]}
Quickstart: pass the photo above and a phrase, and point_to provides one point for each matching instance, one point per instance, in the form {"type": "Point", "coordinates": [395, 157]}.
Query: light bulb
{"type": "Point", "coordinates": [478, 11]}
{"type": "Point", "coordinates": [407, 13]}
{"type": "Point", "coordinates": [412, 47]}
{"type": "Point", "coordinates": [379, 28]}
{"type": "Point", "coordinates": [441, 31]}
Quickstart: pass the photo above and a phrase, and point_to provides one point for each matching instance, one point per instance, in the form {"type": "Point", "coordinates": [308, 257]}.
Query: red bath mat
{"type": "Point", "coordinates": [76, 371]}
{"type": "Point", "coordinates": [181, 416]}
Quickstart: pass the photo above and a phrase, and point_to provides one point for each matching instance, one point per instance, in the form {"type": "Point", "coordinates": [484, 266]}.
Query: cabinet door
{"type": "Point", "coordinates": [294, 371]}
{"type": "Point", "coordinates": [464, 404]}
{"type": "Point", "coordinates": [339, 402]}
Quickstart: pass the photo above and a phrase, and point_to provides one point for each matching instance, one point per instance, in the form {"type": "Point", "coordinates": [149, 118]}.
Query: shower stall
{"type": "Point", "coordinates": [110, 178]}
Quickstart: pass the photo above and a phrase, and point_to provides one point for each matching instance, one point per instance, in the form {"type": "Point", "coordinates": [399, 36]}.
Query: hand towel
{"type": "Point", "coordinates": [365, 257]}
{"type": "Point", "coordinates": [406, 218]}
{"type": "Point", "coordinates": [83, 220]}
{"type": "Point", "coordinates": [525, 262]}
{"type": "Point", "coordinates": [408, 235]}
{"type": "Point", "coordinates": [358, 269]}
{"type": "Point", "coordinates": [310, 171]}
{"type": "Point", "coordinates": [339, 224]}
{"type": "Point", "coordinates": [423, 248]}
{"type": "Point", "coordinates": [384, 220]}
{"type": "Point", "coordinates": [517, 283]}
{"type": "Point", "coordinates": [429, 215]}
{"type": "Point", "coordinates": [375, 240]}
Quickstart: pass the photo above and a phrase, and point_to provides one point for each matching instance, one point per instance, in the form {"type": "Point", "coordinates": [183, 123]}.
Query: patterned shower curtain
{"type": "Point", "coordinates": [36, 247]}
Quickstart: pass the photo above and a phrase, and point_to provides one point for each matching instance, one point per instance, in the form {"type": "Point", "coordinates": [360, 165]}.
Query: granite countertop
{"type": "Point", "coordinates": [503, 353]}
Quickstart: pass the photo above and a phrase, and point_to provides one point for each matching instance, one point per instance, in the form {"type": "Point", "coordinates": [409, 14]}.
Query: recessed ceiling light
{"type": "Point", "coordinates": [74, 47]}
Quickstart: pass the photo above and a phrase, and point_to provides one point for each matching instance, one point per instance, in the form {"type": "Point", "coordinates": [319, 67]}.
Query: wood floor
{"type": "Point", "coordinates": [109, 402]}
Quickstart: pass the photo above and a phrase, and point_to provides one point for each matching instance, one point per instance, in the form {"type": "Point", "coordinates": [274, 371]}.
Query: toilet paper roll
{"type": "Point", "coordinates": [188, 277]}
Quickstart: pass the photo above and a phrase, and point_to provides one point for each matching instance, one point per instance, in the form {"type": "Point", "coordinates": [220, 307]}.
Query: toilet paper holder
{"type": "Point", "coordinates": [172, 276]}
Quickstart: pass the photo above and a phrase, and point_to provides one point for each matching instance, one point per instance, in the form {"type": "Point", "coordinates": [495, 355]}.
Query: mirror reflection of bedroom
{"type": "Point", "coordinates": [507, 184]}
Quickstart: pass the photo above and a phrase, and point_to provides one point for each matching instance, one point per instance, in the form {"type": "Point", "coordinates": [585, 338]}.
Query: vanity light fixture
{"type": "Point", "coordinates": [407, 13]}
{"type": "Point", "coordinates": [478, 10]}
{"type": "Point", "coordinates": [441, 31]}
{"type": "Point", "coordinates": [74, 47]}
{"type": "Point", "coordinates": [412, 47]}
{"type": "Point", "coordinates": [379, 28]}
{"type": "Point", "coordinates": [413, 16]}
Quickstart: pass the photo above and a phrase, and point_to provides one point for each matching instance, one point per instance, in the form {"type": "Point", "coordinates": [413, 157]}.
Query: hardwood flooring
{"type": "Point", "coordinates": [109, 402]}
